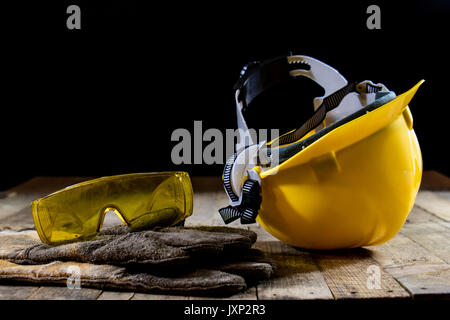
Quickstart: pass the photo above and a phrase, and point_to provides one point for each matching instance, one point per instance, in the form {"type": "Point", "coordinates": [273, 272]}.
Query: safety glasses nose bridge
{"type": "Point", "coordinates": [113, 209]}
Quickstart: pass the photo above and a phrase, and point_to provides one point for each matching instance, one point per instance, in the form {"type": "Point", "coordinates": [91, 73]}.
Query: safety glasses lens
{"type": "Point", "coordinates": [143, 201]}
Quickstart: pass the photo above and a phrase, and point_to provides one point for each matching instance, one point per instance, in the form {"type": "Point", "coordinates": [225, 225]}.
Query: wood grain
{"type": "Point", "coordinates": [64, 293]}
{"type": "Point", "coordinates": [415, 263]}
{"type": "Point", "coordinates": [296, 277]}
{"type": "Point", "coordinates": [347, 273]}
{"type": "Point", "coordinates": [420, 216]}
{"type": "Point", "coordinates": [144, 296]}
{"type": "Point", "coordinates": [414, 267]}
{"type": "Point", "coordinates": [9, 206]}
{"type": "Point", "coordinates": [249, 294]}
{"type": "Point", "coordinates": [209, 197]}
{"type": "Point", "coordinates": [432, 235]}
{"type": "Point", "coordinates": [115, 295]}
{"type": "Point", "coordinates": [16, 292]}
{"type": "Point", "coordinates": [263, 235]}
{"type": "Point", "coordinates": [434, 204]}
{"type": "Point", "coordinates": [428, 285]}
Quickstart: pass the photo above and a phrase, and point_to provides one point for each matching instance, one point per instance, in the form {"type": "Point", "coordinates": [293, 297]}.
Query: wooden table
{"type": "Point", "coordinates": [414, 264]}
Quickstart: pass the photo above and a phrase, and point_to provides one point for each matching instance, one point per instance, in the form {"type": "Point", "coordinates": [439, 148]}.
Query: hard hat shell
{"type": "Point", "coordinates": [353, 186]}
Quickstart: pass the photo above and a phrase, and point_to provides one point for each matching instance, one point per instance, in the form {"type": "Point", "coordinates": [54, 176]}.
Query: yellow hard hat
{"type": "Point", "coordinates": [346, 178]}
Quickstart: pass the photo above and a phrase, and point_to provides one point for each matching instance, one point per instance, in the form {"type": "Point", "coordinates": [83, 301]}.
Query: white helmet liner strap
{"type": "Point", "coordinates": [241, 181]}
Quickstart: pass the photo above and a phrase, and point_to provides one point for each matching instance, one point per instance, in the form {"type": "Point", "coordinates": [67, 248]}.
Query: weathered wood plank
{"type": "Point", "coordinates": [205, 210]}
{"type": "Point", "coordinates": [208, 198]}
{"type": "Point", "coordinates": [19, 221]}
{"type": "Point", "coordinates": [402, 252]}
{"type": "Point", "coordinates": [145, 296]}
{"type": "Point", "coordinates": [433, 203]}
{"type": "Point", "coordinates": [263, 235]}
{"type": "Point", "coordinates": [413, 266]}
{"type": "Point", "coordinates": [418, 216]}
{"type": "Point", "coordinates": [115, 295]}
{"type": "Point", "coordinates": [428, 285]}
{"type": "Point", "coordinates": [354, 274]}
{"type": "Point", "coordinates": [64, 293]}
{"type": "Point", "coordinates": [249, 294]}
{"type": "Point", "coordinates": [443, 194]}
{"type": "Point", "coordinates": [417, 258]}
{"type": "Point", "coordinates": [425, 247]}
{"type": "Point", "coordinates": [296, 276]}
{"type": "Point", "coordinates": [430, 234]}
{"type": "Point", "coordinates": [13, 203]}
{"type": "Point", "coordinates": [16, 292]}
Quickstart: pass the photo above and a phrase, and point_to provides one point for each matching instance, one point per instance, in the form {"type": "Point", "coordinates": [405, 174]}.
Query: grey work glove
{"type": "Point", "coordinates": [121, 246]}
{"type": "Point", "coordinates": [193, 261]}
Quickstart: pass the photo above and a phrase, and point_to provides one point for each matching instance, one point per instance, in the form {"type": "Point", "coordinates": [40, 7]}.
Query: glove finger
{"type": "Point", "coordinates": [252, 271]}
{"type": "Point", "coordinates": [207, 240]}
{"type": "Point", "coordinates": [251, 264]}
{"type": "Point", "coordinates": [125, 249]}
{"type": "Point", "coordinates": [201, 282]}
{"type": "Point", "coordinates": [119, 246]}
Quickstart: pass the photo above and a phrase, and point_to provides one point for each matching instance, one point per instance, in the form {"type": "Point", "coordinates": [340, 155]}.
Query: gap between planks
{"type": "Point", "coordinates": [421, 268]}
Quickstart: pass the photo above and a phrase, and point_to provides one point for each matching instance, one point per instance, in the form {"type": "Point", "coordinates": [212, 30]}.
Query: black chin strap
{"type": "Point", "coordinates": [248, 209]}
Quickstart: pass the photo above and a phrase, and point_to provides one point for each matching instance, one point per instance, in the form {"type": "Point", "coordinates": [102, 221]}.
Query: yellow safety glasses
{"type": "Point", "coordinates": [141, 200]}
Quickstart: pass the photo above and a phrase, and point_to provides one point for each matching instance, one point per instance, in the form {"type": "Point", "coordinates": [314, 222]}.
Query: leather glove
{"type": "Point", "coordinates": [207, 261]}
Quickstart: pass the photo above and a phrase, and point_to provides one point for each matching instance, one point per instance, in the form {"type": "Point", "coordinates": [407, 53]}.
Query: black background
{"type": "Point", "coordinates": [105, 99]}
